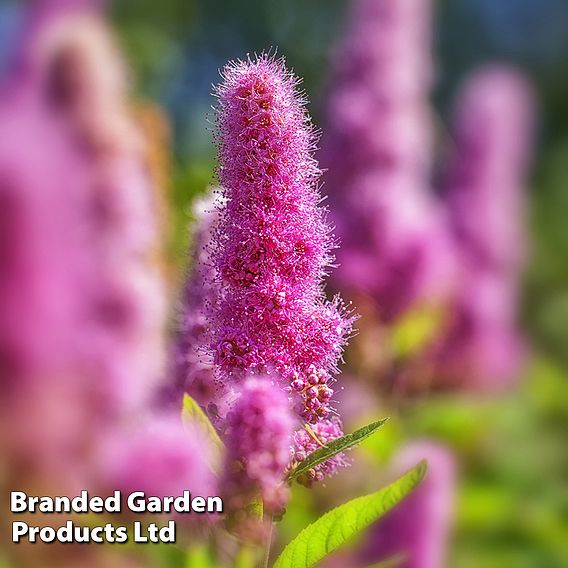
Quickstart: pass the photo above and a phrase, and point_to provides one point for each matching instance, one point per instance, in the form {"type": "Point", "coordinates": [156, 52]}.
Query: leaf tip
{"type": "Point", "coordinates": [422, 469]}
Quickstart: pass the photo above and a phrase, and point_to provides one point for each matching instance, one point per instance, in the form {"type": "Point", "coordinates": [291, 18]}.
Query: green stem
{"type": "Point", "coordinates": [268, 544]}
{"type": "Point", "coordinates": [246, 557]}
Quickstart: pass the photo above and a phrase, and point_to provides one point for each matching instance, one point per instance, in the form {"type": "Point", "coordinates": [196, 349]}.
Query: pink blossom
{"type": "Point", "coordinates": [43, 403]}
{"type": "Point", "coordinates": [258, 437]}
{"type": "Point", "coordinates": [377, 145]}
{"type": "Point", "coordinates": [489, 166]}
{"type": "Point", "coordinates": [160, 457]}
{"type": "Point", "coordinates": [308, 441]}
{"type": "Point", "coordinates": [193, 371]}
{"type": "Point", "coordinates": [273, 246]}
{"type": "Point", "coordinates": [486, 193]}
{"type": "Point", "coordinates": [80, 82]}
{"type": "Point", "coordinates": [80, 300]}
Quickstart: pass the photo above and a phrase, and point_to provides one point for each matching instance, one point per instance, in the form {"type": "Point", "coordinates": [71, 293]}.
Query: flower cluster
{"type": "Point", "coordinates": [40, 332]}
{"type": "Point", "coordinates": [311, 438]}
{"type": "Point", "coordinates": [259, 430]}
{"type": "Point", "coordinates": [487, 171]}
{"type": "Point", "coordinates": [81, 300]}
{"type": "Point", "coordinates": [272, 245]}
{"type": "Point", "coordinates": [192, 372]}
{"type": "Point", "coordinates": [82, 85]}
{"type": "Point", "coordinates": [163, 446]}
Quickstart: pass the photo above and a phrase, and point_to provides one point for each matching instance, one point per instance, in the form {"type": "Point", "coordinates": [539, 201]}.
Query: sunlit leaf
{"type": "Point", "coordinates": [198, 556]}
{"type": "Point", "coordinates": [246, 558]}
{"type": "Point", "coordinates": [256, 508]}
{"type": "Point", "coordinates": [333, 529]}
{"type": "Point", "coordinates": [193, 414]}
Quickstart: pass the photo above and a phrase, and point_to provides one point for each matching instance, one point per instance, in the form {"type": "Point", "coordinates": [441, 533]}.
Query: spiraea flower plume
{"type": "Point", "coordinates": [52, 266]}
{"type": "Point", "coordinates": [82, 83]}
{"type": "Point", "coordinates": [488, 170]}
{"type": "Point", "coordinates": [193, 371]}
{"type": "Point", "coordinates": [486, 194]}
{"type": "Point", "coordinates": [376, 150]}
{"type": "Point", "coordinates": [272, 247]}
{"type": "Point", "coordinates": [80, 295]}
{"type": "Point", "coordinates": [40, 323]}
{"type": "Point", "coordinates": [167, 449]}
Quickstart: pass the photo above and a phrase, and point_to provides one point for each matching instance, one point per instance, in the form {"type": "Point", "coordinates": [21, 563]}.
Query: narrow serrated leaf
{"type": "Point", "coordinates": [192, 413]}
{"type": "Point", "coordinates": [333, 529]}
{"type": "Point", "coordinates": [334, 447]}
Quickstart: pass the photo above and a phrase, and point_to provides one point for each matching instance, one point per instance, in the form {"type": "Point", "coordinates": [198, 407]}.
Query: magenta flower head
{"type": "Point", "coordinates": [418, 529]}
{"type": "Point", "coordinates": [258, 438]}
{"type": "Point", "coordinates": [486, 193]}
{"type": "Point", "coordinates": [272, 246]}
{"type": "Point", "coordinates": [81, 307]}
{"type": "Point", "coordinates": [42, 405]}
{"type": "Point", "coordinates": [483, 349]}
{"type": "Point", "coordinates": [376, 152]}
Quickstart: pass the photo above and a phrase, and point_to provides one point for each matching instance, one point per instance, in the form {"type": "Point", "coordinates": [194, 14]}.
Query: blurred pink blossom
{"type": "Point", "coordinates": [259, 430]}
{"type": "Point", "coordinates": [486, 192]}
{"type": "Point", "coordinates": [395, 245]}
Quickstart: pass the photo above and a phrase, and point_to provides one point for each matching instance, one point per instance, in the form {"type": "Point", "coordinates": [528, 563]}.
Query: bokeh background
{"type": "Point", "coordinates": [512, 500]}
{"type": "Point", "coordinates": [176, 49]}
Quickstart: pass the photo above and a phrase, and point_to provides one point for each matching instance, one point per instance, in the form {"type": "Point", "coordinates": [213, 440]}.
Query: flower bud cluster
{"type": "Point", "coordinates": [308, 440]}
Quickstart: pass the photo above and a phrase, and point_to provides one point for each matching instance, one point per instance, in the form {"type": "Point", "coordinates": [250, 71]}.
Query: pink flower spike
{"type": "Point", "coordinates": [272, 247]}
{"type": "Point", "coordinates": [259, 431]}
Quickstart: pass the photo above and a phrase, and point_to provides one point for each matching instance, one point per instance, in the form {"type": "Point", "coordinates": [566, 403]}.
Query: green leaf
{"type": "Point", "coordinates": [246, 558]}
{"type": "Point", "coordinates": [334, 447]}
{"type": "Point", "coordinates": [192, 413]}
{"type": "Point", "coordinates": [333, 529]}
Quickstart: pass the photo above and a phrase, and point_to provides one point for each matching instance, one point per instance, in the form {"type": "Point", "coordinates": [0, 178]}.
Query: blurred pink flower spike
{"type": "Point", "coordinates": [193, 370]}
{"type": "Point", "coordinates": [259, 430]}
{"type": "Point", "coordinates": [486, 192]}
{"type": "Point", "coordinates": [395, 243]}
